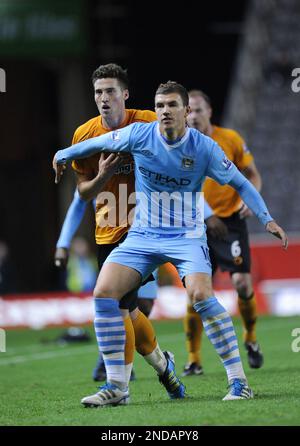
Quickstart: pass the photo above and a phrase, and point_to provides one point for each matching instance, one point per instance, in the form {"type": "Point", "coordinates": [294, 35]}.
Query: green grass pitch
{"type": "Point", "coordinates": [42, 384]}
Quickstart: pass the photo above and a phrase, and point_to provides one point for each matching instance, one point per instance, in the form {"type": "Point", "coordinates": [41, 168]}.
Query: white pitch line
{"type": "Point", "coordinates": [30, 348]}
{"type": "Point", "coordinates": [75, 351]}
{"type": "Point", "coordinates": [48, 355]}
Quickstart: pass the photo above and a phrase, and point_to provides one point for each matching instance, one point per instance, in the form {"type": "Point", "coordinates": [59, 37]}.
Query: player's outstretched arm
{"type": "Point", "coordinates": [225, 172]}
{"type": "Point", "coordinates": [255, 202]}
{"type": "Point", "coordinates": [115, 141]}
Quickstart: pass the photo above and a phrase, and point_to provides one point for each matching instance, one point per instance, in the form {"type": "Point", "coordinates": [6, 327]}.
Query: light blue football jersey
{"type": "Point", "coordinates": [168, 177]}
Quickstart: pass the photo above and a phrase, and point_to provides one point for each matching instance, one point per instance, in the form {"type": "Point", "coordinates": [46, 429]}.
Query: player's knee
{"type": "Point", "coordinates": [243, 288]}
{"type": "Point", "coordinates": [105, 291]}
{"type": "Point", "coordinates": [198, 295]}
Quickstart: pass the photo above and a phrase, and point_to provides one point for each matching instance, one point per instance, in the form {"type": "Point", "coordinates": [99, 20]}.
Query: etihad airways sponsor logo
{"type": "Point", "coordinates": [159, 178]}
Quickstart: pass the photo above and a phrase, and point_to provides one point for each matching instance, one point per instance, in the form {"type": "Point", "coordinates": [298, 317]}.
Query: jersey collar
{"type": "Point", "coordinates": [176, 144]}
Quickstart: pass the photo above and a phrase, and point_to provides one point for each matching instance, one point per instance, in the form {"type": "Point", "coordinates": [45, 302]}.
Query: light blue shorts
{"type": "Point", "coordinates": [145, 252]}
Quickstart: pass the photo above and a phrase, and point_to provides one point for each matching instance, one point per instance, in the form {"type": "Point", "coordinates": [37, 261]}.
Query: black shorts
{"type": "Point", "coordinates": [129, 301]}
{"type": "Point", "coordinates": [233, 253]}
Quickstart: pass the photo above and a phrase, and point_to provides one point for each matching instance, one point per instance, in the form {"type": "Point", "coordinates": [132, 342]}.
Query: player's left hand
{"type": "Point", "coordinates": [245, 212]}
{"type": "Point", "coordinates": [58, 169]}
{"type": "Point", "coordinates": [108, 166]}
{"type": "Point", "coordinates": [278, 232]}
{"type": "Point", "coordinates": [216, 227]}
{"type": "Point", "coordinates": [61, 257]}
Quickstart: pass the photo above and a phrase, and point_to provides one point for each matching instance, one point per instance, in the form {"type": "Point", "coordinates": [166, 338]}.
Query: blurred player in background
{"type": "Point", "coordinates": [169, 157]}
{"type": "Point", "coordinates": [82, 269]}
{"type": "Point", "coordinates": [107, 172]}
{"type": "Point", "coordinates": [227, 234]}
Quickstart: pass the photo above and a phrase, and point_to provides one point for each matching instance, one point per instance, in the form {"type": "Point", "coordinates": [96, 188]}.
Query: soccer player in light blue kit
{"type": "Point", "coordinates": [170, 158]}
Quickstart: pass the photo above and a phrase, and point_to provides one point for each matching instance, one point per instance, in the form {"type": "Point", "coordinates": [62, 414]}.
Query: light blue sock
{"type": "Point", "coordinates": [110, 333]}
{"type": "Point", "coordinates": [219, 328]}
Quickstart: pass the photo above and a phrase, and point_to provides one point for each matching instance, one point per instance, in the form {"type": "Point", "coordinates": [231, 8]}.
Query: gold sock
{"type": "Point", "coordinates": [130, 341]}
{"type": "Point", "coordinates": [145, 339]}
{"type": "Point", "coordinates": [193, 329]}
{"type": "Point", "coordinates": [248, 313]}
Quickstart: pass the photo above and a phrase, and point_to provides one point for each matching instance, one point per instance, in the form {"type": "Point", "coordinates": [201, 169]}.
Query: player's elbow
{"type": "Point", "coordinates": [84, 193]}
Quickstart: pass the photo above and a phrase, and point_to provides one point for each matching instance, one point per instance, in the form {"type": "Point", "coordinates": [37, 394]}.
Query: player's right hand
{"type": "Point", "coordinates": [61, 257]}
{"type": "Point", "coordinates": [108, 166]}
{"type": "Point", "coordinates": [58, 169]}
{"type": "Point", "coordinates": [216, 227]}
{"type": "Point", "coordinates": [278, 232]}
{"type": "Point", "coordinates": [245, 212]}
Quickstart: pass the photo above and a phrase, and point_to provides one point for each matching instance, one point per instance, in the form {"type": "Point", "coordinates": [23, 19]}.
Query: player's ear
{"type": "Point", "coordinates": [125, 94]}
{"type": "Point", "coordinates": [187, 110]}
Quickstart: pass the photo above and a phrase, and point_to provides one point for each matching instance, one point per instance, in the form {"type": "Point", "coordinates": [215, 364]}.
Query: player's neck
{"type": "Point", "coordinates": [209, 130]}
{"type": "Point", "coordinates": [113, 122]}
{"type": "Point", "coordinates": [173, 134]}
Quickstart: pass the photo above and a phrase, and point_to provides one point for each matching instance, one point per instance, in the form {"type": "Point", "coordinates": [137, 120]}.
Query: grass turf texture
{"type": "Point", "coordinates": [42, 384]}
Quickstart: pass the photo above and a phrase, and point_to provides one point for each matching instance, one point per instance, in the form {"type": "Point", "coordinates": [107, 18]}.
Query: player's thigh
{"type": "Point", "coordinates": [116, 280]}
{"type": "Point", "coordinates": [198, 286]}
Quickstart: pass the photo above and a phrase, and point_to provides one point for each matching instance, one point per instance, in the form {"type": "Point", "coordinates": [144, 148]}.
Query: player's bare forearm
{"type": "Point", "coordinates": [88, 190]}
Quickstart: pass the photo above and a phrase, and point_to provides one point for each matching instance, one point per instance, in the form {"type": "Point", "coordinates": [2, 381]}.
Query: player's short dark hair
{"type": "Point", "coordinates": [174, 87]}
{"type": "Point", "coordinates": [196, 93]}
{"type": "Point", "coordinates": [113, 71]}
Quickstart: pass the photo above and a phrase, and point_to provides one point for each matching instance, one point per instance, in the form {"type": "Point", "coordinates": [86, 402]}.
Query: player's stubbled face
{"type": "Point", "coordinates": [199, 117]}
{"type": "Point", "coordinates": [171, 113]}
{"type": "Point", "coordinates": [109, 96]}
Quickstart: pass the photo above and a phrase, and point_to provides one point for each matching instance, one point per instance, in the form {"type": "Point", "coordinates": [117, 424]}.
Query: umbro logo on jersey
{"type": "Point", "coordinates": [187, 163]}
{"type": "Point", "coordinates": [147, 153]}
